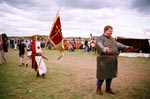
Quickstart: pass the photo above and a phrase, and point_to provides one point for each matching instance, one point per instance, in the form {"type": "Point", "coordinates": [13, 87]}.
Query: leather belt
{"type": "Point", "coordinates": [108, 55]}
{"type": "Point", "coordinates": [36, 54]}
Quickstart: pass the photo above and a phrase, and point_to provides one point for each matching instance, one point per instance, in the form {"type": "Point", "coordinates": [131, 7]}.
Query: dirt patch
{"type": "Point", "coordinates": [84, 73]}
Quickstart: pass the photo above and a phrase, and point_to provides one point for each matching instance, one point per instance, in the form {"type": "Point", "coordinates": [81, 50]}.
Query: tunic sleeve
{"type": "Point", "coordinates": [121, 47]}
{"type": "Point", "coordinates": [100, 46]}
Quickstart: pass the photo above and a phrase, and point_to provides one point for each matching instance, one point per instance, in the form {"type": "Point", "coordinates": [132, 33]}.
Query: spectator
{"type": "Point", "coordinates": [2, 57]}
{"type": "Point", "coordinates": [21, 47]}
{"type": "Point", "coordinates": [86, 47]}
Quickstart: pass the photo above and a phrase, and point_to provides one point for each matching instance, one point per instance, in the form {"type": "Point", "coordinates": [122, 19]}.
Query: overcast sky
{"type": "Point", "coordinates": [78, 17]}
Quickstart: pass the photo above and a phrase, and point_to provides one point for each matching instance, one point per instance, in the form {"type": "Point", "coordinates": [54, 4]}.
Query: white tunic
{"type": "Point", "coordinates": [41, 65]}
{"type": "Point", "coordinates": [40, 62]}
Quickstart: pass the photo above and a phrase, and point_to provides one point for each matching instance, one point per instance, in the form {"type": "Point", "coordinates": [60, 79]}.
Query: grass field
{"type": "Point", "coordinates": [72, 77]}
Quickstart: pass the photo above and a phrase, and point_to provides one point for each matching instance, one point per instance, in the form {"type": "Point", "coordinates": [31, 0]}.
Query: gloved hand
{"type": "Point", "coordinates": [130, 49]}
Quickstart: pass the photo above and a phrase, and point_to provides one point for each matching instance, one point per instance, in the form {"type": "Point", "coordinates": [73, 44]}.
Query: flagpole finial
{"type": "Point", "coordinates": [58, 12]}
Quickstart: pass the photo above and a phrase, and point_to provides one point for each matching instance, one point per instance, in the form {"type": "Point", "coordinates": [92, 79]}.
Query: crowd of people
{"type": "Point", "coordinates": [86, 44]}
{"type": "Point", "coordinates": [71, 45]}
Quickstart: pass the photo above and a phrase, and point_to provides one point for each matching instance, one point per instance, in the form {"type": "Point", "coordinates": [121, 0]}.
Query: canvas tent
{"type": "Point", "coordinates": [141, 43]}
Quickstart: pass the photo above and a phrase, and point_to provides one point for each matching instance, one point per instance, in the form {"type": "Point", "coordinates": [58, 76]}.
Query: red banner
{"type": "Point", "coordinates": [56, 36]}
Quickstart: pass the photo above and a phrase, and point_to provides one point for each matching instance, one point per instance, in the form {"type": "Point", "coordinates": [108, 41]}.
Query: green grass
{"type": "Point", "coordinates": [72, 77]}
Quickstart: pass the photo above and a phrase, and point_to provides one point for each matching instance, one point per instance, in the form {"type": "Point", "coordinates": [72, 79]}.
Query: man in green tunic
{"type": "Point", "coordinates": [108, 50]}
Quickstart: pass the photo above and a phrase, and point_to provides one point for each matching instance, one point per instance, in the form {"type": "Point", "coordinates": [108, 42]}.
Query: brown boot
{"type": "Point", "coordinates": [43, 76]}
{"type": "Point", "coordinates": [109, 90]}
{"type": "Point", "coordinates": [99, 91]}
{"type": "Point", "coordinates": [27, 65]}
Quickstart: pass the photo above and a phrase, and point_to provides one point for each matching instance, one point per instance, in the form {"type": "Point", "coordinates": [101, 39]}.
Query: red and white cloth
{"type": "Point", "coordinates": [39, 65]}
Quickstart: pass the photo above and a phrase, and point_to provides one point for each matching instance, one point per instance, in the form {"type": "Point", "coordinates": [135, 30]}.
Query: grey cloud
{"type": "Point", "coordinates": [22, 4]}
{"type": "Point", "coordinates": [18, 16]}
{"type": "Point", "coordinates": [87, 4]}
{"type": "Point", "coordinates": [28, 5]}
{"type": "Point", "coordinates": [142, 6]}
{"type": "Point", "coordinates": [33, 9]}
{"type": "Point", "coordinates": [34, 16]}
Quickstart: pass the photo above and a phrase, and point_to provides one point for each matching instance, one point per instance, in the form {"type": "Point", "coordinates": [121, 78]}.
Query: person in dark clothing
{"type": "Point", "coordinates": [73, 45]}
{"type": "Point", "coordinates": [21, 47]}
{"type": "Point", "coordinates": [2, 55]}
{"type": "Point", "coordinates": [86, 47]}
{"type": "Point", "coordinates": [12, 43]}
{"type": "Point", "coordinates": [5, 42]}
